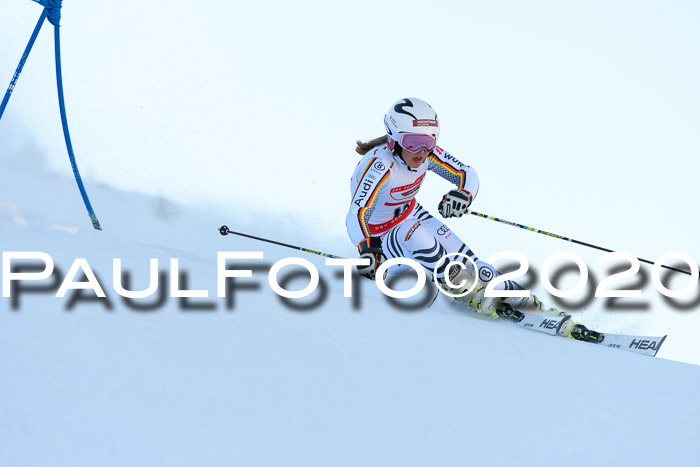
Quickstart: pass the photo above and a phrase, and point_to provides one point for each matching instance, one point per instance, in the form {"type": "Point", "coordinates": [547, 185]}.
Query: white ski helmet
{"type": "Point", "coordinates": [411, 115]}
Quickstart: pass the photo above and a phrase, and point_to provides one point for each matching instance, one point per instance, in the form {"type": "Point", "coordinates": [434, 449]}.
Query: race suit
{"type": "Point", "coordinates": [384, 189]}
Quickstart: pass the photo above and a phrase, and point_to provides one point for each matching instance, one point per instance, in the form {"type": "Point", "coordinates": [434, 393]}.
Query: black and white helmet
{"type": "Point", "coordinates": [411, 115]}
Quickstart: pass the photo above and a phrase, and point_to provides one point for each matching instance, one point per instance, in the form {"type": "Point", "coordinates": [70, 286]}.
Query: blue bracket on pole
{"type": "Point", "coordinates": [52, 12]}
{"type": "Point", "coordinates": [52, 9]}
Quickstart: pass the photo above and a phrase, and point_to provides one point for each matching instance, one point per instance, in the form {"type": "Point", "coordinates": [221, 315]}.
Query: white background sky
{"type": "Point", "coordinates": [581, 118]}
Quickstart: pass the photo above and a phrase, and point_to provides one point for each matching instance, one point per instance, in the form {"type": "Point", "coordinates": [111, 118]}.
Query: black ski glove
{"type": "Point", "coordinates": [455, 203]}
{"type": "Point", "coordinates": [371, 248]}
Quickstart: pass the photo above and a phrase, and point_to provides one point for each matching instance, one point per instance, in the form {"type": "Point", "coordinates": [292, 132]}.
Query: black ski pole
{"type": "Point", "coordinates": [561, 237]}
{"type": "Point", "coordinates": [223, 230]}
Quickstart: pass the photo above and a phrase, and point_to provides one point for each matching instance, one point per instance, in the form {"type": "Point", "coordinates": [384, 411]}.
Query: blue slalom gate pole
{"type": "Point", "coordinates": [66, 134]}
{"type": "Point", "coordinates": [52, 11]}
{"type": "Point", "coordinates": [22, 61]}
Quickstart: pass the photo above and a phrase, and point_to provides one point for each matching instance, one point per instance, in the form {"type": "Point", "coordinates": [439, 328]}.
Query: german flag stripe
{"type": "Point", "coordinates": [459, 173]}
{"type": "Point", "coordinates": [364, 172]}
{"type": "Point", "coordinates": [370, 201]}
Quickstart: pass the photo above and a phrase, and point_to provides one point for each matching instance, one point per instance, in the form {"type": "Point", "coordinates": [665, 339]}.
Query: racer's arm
{"type": "Point", "coordinates": [451, 169]}
{"type": "Point", "coordinates": [372, 177]}
{"type": "Point", "coordinates": [456, 202]}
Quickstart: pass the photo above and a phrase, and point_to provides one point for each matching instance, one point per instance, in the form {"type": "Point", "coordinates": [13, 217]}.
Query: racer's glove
{"type": "Point", "coordinates": [455, 203]}
{"type": "Point", "coordinates": [371, 248]}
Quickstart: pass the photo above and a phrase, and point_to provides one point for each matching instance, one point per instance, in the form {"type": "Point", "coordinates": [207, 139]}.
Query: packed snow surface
{"type": "Point", "coordinates": [580, 119]}
{"type": "Point", "coordinates": [344, 381]}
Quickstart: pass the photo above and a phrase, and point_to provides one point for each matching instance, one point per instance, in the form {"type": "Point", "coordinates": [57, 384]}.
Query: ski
{"type": "Point", "coordinates": [551, 324]}
{"type": "Point", "coordinates": [534, 322]}
{"type": "Point", "coordinates": [645, 345]}
{"type": "Point", "coordinates": [540, 323]}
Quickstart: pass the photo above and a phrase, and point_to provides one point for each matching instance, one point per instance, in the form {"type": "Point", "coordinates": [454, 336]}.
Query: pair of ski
{"type": "Point", "coordinates": [645, 345]}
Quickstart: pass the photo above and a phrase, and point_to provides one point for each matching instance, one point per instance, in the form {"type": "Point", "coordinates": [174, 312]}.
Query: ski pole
{"type": "Point", "coordinates": [223, 230]}
{"type": "Point", "coordinates": [561, 237]}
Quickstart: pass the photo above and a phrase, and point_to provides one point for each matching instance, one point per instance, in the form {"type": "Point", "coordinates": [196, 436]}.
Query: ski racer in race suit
{"type": "Point", "coordinates": [385, 220]}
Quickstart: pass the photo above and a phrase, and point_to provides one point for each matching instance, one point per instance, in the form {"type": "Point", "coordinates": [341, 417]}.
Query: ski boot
{"type": "Point", "coordinates": [532, 305]}
{"type": "Point", "coordinates": [505, 311]}
{"type": "Point", "coordinates": [476, 300]}
{"type": "Point", "coordinates": [581, 333]}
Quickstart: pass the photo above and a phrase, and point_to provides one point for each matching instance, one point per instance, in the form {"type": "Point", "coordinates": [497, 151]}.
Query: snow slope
{"type": "Point", "coordinates": [580, 118]}
{"type": "Point", "coordinates": [588, 135]}
{"type": "Point", "coordinates": [259, 383]}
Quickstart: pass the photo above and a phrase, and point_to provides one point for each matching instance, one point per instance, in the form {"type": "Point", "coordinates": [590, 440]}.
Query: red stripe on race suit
{"type": "Point", "coordinates": [377, 229]}
{"type": "Point", "coordinates": [395, 204]}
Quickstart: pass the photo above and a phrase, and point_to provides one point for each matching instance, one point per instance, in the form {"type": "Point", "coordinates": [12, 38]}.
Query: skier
{"type": "Point", "coordinates": [386, 221]}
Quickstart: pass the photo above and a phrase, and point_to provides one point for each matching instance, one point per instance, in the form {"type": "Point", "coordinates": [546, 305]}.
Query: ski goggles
{"type": "Point", "coordinates": [414, 142]}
